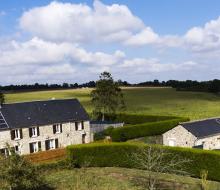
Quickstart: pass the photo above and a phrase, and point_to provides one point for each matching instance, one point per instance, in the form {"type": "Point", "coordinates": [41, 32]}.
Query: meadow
{"type": "Point", "coordinates": [152, 101]}
{"type": "Point", "coordinates": [118, 179]}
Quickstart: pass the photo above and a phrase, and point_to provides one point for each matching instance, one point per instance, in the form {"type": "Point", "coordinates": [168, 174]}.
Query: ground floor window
{"type": "Point", "coordinates": [17, 149]}
{"type": "Point", "coordinates": [4, 152]}
{"type": "Point", "coordinates": [51, 144]}
{"type": "Point", "coordinates": [35, 147]}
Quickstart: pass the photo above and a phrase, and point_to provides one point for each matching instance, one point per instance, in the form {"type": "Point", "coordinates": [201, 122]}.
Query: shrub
{"type": "Point", "coordinates": [18, 173]}
{"type": "Point", "coordinates": [118, 155]}
{"type": "Point", "coordinates": [101, 135]}
{"type": "Point", "coordinates": [144, 129]}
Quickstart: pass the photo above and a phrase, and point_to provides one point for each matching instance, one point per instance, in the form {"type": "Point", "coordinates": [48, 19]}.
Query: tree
{"type": "Point", "coordinates": [17, 173]}
{"type": "Point", "coordinates": [157, 160]}
{"type": "Point", "coordinates": [107, 97]}
{"type": "Point", "coordinates": [2, 98]}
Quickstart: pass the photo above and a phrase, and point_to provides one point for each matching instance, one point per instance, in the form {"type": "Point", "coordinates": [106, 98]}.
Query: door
{"type": "Point", "coordinates": [83, 138]}
{"type": "Point", "coordinates": [171, 142]}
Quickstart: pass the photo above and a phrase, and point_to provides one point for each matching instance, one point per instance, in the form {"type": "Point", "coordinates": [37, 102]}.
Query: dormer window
{"type": "Point", "coordinates": [34, 132]}
{"type": "Point", "coordinates": [57, 128]}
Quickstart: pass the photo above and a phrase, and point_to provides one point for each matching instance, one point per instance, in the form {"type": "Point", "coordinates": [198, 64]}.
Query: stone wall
{"type": "Point", "coordinates": [68, 136]}
{"type": "Point", "coordinates": [210, 143]}
{"type": "Point", "coordinates": [180, 137]}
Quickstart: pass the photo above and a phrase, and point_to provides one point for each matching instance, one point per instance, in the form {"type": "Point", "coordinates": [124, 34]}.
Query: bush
{"type": "Point", "coordinates": [101, 135]}
{"type": "Point", "coordinates": [144, 129]}
{"type": "Point", "coordinates": [119, 155]}
{"type": "Point", "coordinates": [18, 173]}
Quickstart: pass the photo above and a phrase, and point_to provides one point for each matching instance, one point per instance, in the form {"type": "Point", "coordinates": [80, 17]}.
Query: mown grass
{"type": "Point", "coordinates": [118, 179]}
{"type": "Point", "coordinates": [152, 101]}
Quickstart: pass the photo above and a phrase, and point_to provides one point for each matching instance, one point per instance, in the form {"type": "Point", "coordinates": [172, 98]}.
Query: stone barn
{"type": "Point", "coordinates": [204, 134]}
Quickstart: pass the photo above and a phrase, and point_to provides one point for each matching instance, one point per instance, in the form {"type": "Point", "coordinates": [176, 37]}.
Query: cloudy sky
{"type": "Point", "coordinates": [73, 41]}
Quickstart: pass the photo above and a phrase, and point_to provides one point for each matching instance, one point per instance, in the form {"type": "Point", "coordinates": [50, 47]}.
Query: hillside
{"type": "Point", "coordinates": [153, 101]}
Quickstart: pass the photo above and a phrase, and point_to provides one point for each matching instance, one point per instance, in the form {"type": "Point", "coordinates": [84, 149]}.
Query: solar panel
{"type": "Point", "coordinates": [3, 124]}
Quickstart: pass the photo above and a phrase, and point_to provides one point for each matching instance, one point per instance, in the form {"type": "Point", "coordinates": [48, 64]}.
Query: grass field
{"type": "Point", "coordinates": [118, 179]}
{"type": "Point", "coordinates": [156, 101]}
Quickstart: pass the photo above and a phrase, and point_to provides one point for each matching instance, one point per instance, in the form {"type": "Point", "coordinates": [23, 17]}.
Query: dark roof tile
{"type": "Point", "coordinates": [38, 113]}
{"type": "Point", "coordinates": [203, 128]}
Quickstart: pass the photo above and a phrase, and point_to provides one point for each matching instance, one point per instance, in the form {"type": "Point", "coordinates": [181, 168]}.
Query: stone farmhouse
{"type": "Point", "coordinates": [43, 125]}
{"type": "Point", "coordinates": [204, 134]}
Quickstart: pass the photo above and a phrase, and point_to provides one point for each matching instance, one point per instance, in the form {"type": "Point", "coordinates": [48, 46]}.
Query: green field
{"type": "Point", "coordinates": [153, 101]}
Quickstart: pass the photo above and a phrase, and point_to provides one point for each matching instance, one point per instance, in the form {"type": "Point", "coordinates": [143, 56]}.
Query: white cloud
{"type": "Point", "coordinates": [204, 39]}
{"type": "Point", "coordinates": [146, 36]}
{"type": "Point", "coordinates": [38, 51]}
{"type": "Point", "coordinates": [80, 23]}
{"type": "Point", "coordinates": [141, 65]}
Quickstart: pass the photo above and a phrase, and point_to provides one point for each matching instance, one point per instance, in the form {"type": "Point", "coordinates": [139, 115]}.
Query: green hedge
{"type": "Point", "coordinates": [117, 155]}
{"type": "Point", "coordinates": [136, 118]}
{"type": "Point", "coordinates": [144, 129]}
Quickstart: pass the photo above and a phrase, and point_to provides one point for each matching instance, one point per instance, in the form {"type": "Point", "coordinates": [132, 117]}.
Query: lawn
{"type": "Point", "coordinates": [118, 179]}
{"type": "Point", "coordinates": [156, 101]}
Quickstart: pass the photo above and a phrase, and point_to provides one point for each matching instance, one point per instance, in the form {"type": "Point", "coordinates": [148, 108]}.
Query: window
{"type": "Point", "coordinates": [57, 128]}
{"type": "Point", "coordinates": [16, 134]}
{"type": "Point", "coordinates": [34, 132]}
{"type": "Point", "coordinates": [76, 126]}
{"type": "Point", "coordinates": [82, 123]}
{"type": "Point", "coordinates": [4, 152]}
{"type": "Point", "coordinates": [51, 144]}
{"type": "Point", "coordinates": [35, 147]}
{"type": "Point", "coordinates": [17, 149]}
{"type": "Point", "coordinates": [79, 126]}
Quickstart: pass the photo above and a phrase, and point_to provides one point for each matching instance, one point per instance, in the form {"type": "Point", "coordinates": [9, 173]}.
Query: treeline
{"type": "Point", "coordinates": [37, 86]}
{"type": "Point", "coordinates": [188, 85]}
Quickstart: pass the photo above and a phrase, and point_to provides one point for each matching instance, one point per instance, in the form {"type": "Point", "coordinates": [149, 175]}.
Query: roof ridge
{"type": "Point", "coordinates": [38, 101]}
{"type": "Point", "coordinates": [194, 121]}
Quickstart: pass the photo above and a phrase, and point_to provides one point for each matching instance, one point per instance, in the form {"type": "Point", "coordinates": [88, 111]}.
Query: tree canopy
{"type": "Point", "coordinates": [2, 98]}
{"type": "Point", "coordinates": [107, 97]}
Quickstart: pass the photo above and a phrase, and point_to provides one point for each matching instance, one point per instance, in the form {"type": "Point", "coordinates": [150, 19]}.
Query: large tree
{"type": "Point", "coordinates": [2, 98]}
{"type": "Point", "coordinates": [107, 97]}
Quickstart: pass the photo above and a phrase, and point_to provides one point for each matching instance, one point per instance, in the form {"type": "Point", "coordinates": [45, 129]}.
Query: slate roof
{"type": "Point", "coordinates": [38, 113]}
{"type": "Point", "coordinates": [203, 128]}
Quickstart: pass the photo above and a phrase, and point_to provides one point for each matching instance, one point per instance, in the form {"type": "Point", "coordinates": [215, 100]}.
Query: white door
{"type": "Point", "coordinates": [171, 142]}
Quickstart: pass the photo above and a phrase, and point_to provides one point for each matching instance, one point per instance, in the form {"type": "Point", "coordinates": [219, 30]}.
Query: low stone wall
{"type": "Point", "coordinates": [97, 127]}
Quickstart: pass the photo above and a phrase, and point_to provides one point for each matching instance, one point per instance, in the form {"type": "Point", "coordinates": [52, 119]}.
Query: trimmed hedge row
{"type": "Point", "coordinates": [136, 118]}
{"type": "Point", "coordinates": [117, 155]}
{"type": "Point", "coordinates": [125, 133]}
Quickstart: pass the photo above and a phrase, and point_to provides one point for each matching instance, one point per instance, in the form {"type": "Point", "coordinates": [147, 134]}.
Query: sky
{"type": "Point", "coordinates": [75, 40]}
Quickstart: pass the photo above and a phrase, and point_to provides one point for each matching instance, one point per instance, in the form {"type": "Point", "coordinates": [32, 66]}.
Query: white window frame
{"type": "Point", "coordinates": [79, 126]}
{"type": "Point", "coordinates": [17, 134]}
{"type": "Point", "coordinates": [52, 144]}
{"type": "Point", "coordinates": [58, 128]}
{"type": "Point", "coordinates": [34, 131]}
{"type": "Point", "coordinates": [35, 147]}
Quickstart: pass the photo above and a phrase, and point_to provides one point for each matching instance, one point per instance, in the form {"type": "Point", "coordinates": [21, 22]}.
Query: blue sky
{"type": "Point", "coordinates": [56, 41]}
